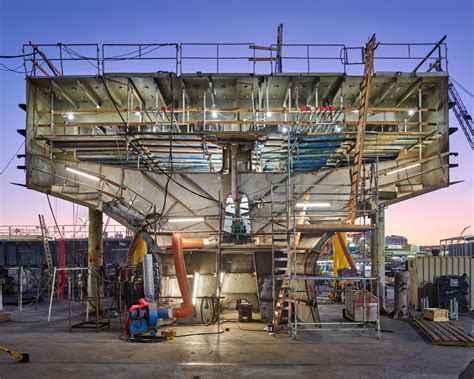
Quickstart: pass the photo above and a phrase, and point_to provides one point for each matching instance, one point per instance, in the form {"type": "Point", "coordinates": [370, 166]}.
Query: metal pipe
{"type": "Point", "coordinates": [148, 282]}
{"type": "Point", "coordinates": [52, 293]}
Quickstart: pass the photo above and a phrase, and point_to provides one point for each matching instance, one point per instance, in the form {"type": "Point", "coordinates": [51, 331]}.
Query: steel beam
{"type": "Point", "coordinates": [377, 250]}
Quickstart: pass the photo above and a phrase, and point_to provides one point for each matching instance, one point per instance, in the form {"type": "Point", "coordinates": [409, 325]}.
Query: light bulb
{"type": "Point", "coordinates": [269, 114]}
{"type": "Point", "coordinates": [214, 114]}
{"type": "Point", "coordinates": [70, 116]}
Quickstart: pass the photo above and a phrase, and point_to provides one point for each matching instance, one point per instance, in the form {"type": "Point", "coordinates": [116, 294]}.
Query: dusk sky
{"type": "Point", "coordinates": [424, 220]}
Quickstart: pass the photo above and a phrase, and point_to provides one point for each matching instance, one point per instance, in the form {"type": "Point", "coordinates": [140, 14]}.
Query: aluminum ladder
{"type": "Point", "coordinates": [45, 238]}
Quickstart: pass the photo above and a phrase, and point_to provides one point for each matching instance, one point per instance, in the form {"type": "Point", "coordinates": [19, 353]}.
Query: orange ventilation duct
{"type": "Point", "coordinates": [178, 243]}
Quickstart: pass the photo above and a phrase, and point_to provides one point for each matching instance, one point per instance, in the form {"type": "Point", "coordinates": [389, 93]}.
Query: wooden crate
{"type": "Point", "coordinates": [436, 314]}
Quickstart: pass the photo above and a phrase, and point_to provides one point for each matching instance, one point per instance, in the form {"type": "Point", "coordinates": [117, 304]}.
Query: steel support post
{"type": "Point", "coordinates": [95, 257]}
{"type": "Point", "coordinates": [377, 249]}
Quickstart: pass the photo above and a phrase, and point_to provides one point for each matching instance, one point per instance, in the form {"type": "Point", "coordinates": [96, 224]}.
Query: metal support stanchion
{"type": "Point", "coordinates": [52, 294]}
{"type": "Point", "coordinates": [20, 294]}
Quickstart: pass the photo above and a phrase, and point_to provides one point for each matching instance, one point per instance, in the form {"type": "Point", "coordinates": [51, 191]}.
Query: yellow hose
{"type": "Point", "coordinates": [20, 357]}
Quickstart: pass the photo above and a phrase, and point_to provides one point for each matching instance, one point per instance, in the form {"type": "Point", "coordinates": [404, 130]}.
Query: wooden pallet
{"type": "Point", "coordinates": [444, 333]}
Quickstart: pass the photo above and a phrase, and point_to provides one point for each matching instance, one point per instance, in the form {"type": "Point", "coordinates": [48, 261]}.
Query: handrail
{"type": "Point", "coordinates": [100, 54]}
{"type": "Point", "coordinates": [68, 231]}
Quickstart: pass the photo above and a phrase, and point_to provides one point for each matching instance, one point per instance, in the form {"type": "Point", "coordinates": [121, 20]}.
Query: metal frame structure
{"type": "Point", "coordinates": [152, 148]}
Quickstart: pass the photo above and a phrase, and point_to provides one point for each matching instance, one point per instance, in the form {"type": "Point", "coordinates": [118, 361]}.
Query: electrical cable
{"type": "Point", "coordinates": [142, 339]}
{"type": "Point", "coordinates": [15, 56]}
{"type": "Point", "coordinates": [206, 303]}
{"type": "Point", "coordinates": [13, 157]}
{"type": "Point", "coordinates": [136, 51]}
{"type": "Point", "coordinates": [72, 52]}
{"type": "Point", "coordinates": [252, 330]}
{"type": "Point", "coordinates": [203, 334]}
{"type": "Point", "coordinates": [170, 155]}
{"type": "Point", "coordinates": [15, 70]}
{"type": "Point", "coordinates": [16, 152]}
{"type": "Point", "coordinates": [469, 93]}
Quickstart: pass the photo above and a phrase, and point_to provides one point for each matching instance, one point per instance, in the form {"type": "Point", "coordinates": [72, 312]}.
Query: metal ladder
{"type": "Point", "coordinates": [361, 126]}
{"type": "Point", "coordinates": [45, 238]}
{"type": "Point", "coordinates": [281, 259]}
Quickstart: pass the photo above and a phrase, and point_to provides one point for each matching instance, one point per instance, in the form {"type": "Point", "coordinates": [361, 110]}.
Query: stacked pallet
{"type": "Point", "coordinates": [444, 333]}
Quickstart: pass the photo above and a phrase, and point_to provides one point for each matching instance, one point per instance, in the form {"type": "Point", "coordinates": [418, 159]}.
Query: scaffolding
{"type": "Point", "coordinates": [321, 211]}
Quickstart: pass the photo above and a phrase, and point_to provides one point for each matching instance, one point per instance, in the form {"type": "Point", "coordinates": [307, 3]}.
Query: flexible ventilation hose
{"type": "Point", "coordinates": [177, 244]}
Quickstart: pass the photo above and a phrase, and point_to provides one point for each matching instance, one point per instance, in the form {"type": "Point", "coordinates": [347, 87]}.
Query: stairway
{"type": "Point", "coordinates": [281, 255]}
{"type": "Point", "coordinates": [461, 113]}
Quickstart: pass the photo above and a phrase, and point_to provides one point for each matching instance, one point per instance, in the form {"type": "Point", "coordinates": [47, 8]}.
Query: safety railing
{"type": "Point", "coordinates": [57, 59]}
{"type": "Point", "coordinates": [239, 57]}
{"type": "Point", "coordinates": [149, 55]}
{"type": "Point", "coordinates": [196, 57]}
{"type": "Point", "coordinates": [302, 57]}
{"type": "Point", "coordinates": [79, 230]}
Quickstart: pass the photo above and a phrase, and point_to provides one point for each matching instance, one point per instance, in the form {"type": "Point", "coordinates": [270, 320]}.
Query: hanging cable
{"type": "Point", "coordinates": [170, 155]}
{"type": "Point", "coordinates": [71, 52]}
{"type": "Point", "coordinates": [9, 69]}
{"type": "Point", "coordinates": [142, 52]}
{"type": "Point", "coordinates": [11, 159]}
{"type": "Point", "coordinates": [15, 56]}
{"type": "Point", "coordinates": [469, 93]}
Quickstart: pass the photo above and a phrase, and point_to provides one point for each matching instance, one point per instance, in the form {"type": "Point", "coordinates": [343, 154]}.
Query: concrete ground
{"type": "Point", "coordinates": [244, 350]}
